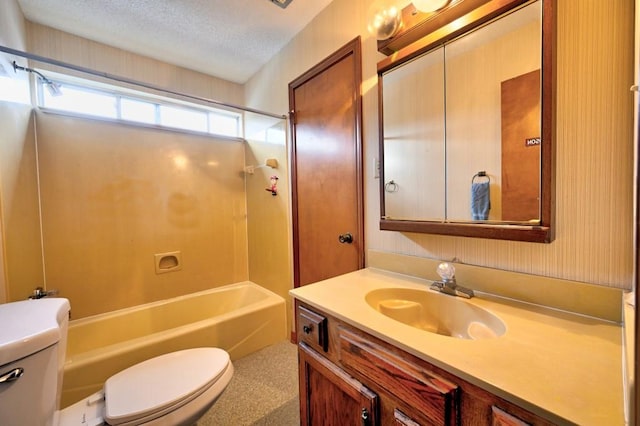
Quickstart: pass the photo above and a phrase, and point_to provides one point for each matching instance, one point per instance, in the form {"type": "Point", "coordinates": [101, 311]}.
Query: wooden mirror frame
{"type": "Point", "coordinates": [427, 31]}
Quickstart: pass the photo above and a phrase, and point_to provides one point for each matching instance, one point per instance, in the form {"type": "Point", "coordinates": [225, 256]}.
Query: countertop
{"type": "Point", "coordinates": [564, 367]}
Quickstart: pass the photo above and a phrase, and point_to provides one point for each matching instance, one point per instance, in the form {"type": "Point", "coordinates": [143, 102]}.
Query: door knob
{"type": "Point", "coordinates": [346, 238]}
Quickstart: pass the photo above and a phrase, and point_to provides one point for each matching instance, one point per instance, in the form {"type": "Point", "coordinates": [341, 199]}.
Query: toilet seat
{"type": "Point", "coordinates": [160, 385]}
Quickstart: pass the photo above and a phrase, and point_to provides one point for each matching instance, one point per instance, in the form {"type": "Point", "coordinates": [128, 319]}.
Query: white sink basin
{"type": "Point", "coordinates": [436, 313]}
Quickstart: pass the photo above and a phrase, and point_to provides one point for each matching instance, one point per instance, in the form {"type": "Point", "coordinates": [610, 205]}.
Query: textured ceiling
{"type": "Point", "coordinates": [229, 39]}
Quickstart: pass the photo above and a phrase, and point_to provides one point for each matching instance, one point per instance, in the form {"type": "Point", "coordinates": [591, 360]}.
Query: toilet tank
{"type": "Point", "coordinates": [33, 340]}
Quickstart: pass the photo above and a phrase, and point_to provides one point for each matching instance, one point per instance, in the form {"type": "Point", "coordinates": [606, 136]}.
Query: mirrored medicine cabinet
{"type": "Point", "coordinates": [466, 118]}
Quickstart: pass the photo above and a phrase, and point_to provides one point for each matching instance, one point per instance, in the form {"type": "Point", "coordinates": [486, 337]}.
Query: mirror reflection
{"type": "Point", "coordinates": [462, 127]}
{"type": "Point", "coordinates": [414, 134]}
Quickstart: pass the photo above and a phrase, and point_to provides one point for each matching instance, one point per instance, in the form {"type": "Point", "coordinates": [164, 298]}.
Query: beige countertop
{"type": "Point", "coordinates": [564, 367]}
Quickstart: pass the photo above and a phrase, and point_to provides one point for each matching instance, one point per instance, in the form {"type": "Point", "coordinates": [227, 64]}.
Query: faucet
{"type": "Point", "coordinates": [39, 293]}
{"type": "Point", "coordinates": [448, 284]}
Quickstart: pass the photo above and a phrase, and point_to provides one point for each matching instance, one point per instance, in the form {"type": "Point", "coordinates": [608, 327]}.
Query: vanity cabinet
{"type": "Point", "coordinates": [349, 377]}
{"type": "Point", "coordinates": [333, 397]}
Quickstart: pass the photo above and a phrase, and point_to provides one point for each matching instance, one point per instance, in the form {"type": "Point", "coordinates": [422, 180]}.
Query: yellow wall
{"type": "Point", "coordinates": [594, 238]}
{"type": "Point", "coordinates": [268, 236]}
{"type": "Point", "coordinates": [19, 211]}
{"type": "Point", "coordinates": [113, 196]}
{"type": "Point", "coordinates": [268, 226]}
{"type": "Point", "coordinates": [13, 35]}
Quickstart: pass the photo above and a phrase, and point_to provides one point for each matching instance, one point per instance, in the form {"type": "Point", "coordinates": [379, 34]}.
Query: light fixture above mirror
{"type": "Point", "coordinates": [385, 19]}
{"type": "Point", "coordinates": [428, 6]}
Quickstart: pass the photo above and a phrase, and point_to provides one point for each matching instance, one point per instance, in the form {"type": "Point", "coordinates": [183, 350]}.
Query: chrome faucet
{"type": "Point", "coordinates": [448, 284]}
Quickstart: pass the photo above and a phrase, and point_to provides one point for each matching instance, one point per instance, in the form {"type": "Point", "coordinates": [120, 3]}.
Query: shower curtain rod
{"type": "Point", "coordinates": [132, 82]}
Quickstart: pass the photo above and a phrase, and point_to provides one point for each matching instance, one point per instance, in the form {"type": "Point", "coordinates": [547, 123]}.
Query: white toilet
{"type": "Point", "coordinates": [171, 389]}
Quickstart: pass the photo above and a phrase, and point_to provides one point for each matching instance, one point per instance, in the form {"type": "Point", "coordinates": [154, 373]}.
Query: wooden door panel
{"type": "Point", "coordinates": [520, 152]}
{"type": "Point", "coordinates": [326, 175]}
{"type": "Point", "coordinates": [325, 198]}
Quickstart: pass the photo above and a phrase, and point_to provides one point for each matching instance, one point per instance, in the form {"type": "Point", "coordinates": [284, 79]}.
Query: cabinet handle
{"type": "Point", "coordinates": [307, 329]}
{"type": "Point", "coordinates": [365, 417]}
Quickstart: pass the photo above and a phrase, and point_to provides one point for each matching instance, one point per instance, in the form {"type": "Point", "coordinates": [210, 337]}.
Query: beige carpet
{"type": "Point", "coordinates": [263, 390]}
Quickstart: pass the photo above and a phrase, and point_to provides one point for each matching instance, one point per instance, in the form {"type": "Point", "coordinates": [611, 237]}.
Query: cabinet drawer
{"type": "Point", "coordinates": [312, 329]}
{"type": "Point", "coordinates": [435, 398]}
{"type": "Point", "coordinates": [502, 418]}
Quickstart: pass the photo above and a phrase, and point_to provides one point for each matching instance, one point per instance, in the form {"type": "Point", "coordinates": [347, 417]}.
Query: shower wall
{"type": "Point", "coordinates": [268, 224]}
{"type": "Point", "coordinates": [20, 254]}
{"type": "Point", "coordinates": [114, 196]}
{"type": "Point", "coordinates": [12, 34]}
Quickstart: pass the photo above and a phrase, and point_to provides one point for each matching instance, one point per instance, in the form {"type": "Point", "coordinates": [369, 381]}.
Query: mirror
{"type": "Point", "coordinates": [466, 126]}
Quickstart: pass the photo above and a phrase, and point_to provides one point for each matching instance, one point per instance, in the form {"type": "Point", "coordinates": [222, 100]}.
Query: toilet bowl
{"type": "Point", "coordinates": [172, 389]}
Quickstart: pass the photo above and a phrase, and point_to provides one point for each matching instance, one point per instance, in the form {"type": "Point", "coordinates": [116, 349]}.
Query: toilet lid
{"type": "Point", "coordinates": [162, 382]}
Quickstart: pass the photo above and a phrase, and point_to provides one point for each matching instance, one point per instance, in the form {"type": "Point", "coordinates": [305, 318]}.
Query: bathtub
{"type": "Point", "coordinates": [240, 318]}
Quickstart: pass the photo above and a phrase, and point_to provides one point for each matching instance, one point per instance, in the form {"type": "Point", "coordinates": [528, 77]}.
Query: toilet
{"type": "Point", "coordinates": [172, 389]}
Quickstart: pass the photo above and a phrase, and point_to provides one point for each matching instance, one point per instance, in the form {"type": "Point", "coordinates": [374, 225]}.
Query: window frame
{"type": "Point", "coordinates": [118, 94]}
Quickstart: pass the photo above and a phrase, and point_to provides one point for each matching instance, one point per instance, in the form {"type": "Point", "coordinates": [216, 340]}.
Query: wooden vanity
{"type": "Point", "coordinates": [358, 367]}
{"type": "Point", "coordinates": [349, 377]}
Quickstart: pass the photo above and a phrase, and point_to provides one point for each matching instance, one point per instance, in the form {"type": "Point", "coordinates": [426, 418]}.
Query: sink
{"type": "Point", "coordinates": [436, 313]}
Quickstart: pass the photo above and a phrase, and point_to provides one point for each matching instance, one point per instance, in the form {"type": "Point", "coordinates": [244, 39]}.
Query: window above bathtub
{"type": "Point", "coordinates": [91, 99]}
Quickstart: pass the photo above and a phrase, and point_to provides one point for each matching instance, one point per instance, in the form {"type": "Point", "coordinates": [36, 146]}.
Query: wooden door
{"type": "Point", "coordinates": [329, 396]}
{"type": "Point", "coordinates": [326, 158]}
{"type": "Point", "coordinates": [521, 140]}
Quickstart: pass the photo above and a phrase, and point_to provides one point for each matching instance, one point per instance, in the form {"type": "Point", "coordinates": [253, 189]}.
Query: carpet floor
{"type": "Point", "coordinates": [263, 390]}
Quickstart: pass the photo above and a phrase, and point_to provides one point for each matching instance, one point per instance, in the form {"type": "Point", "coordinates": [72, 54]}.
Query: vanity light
{"type": "Point", "coordinates": [385, 19]}
{"type": "Point", "coordinates": [428, 6]}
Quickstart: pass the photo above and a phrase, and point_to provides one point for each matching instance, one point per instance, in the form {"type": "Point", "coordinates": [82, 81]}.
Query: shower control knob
{"type": "Point", "coordinates": [345, 238]}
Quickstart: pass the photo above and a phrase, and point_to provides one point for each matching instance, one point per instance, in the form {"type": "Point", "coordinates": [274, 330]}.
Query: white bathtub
{"type": "Point", "coordinates": [239, 318]}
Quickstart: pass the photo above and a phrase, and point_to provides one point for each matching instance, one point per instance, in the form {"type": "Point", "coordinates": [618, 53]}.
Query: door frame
{"type": "Point", "coordinates": [351, 48]}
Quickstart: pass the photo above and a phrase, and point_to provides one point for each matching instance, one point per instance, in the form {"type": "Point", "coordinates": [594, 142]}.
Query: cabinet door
{"type": "Point", "coordinates": [429, 396]}
{"type": "Point", "coordinates": [329, 396]}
